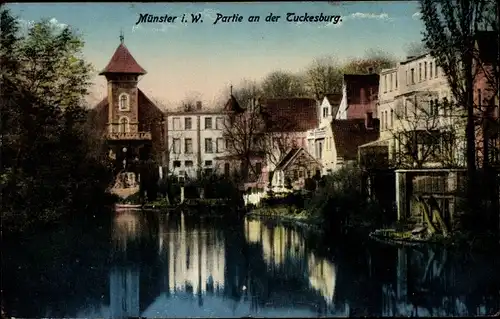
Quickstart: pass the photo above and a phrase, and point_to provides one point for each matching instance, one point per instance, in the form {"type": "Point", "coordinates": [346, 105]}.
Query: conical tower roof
{"type": "Point", "coordinates": [123, 62]}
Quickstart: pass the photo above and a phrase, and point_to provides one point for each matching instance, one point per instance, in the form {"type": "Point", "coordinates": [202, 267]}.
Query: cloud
{"type": "Point", "coordinates": [361, 15]}
{"type": "Point", "coordinates": [57, 24]}
{"type": "Point", "coordinates": [358, 16]}
{"type": "Point", "coordinates": [416, 15]}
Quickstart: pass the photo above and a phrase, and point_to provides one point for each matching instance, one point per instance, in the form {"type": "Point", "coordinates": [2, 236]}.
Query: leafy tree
{"type": "Point", "coordinates": [374, 60]}
{"type": "Point", "coordinates": [279, 84]}
{"type": "Point", "coordinates": [47, 172]}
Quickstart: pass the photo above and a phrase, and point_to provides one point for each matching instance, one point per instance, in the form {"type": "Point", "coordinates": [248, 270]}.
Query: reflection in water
{"type": "Point", "coordinates": [174, 266]}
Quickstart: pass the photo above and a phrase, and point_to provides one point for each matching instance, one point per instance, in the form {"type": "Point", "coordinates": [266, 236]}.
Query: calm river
{"type": "Point", "coordinates": [143, 264]}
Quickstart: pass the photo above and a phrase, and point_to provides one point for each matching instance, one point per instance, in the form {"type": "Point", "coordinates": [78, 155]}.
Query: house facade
{"type": "Point", "coordinates": [359, 96]}
{"type": "Point", "coordinates": [418, 125]}
{"type": "Point", "coordinates": [294, 168]}
{"type": "Point", "coordinates": [316, 138]}
{"type": "Point", "coordinates": [194, 141]}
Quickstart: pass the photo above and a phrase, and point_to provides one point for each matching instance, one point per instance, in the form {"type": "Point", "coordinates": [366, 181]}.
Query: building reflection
{"type": "Point", "coordinates": [427, 284]}
{"type": "Point", "coordinates": [285, 253]}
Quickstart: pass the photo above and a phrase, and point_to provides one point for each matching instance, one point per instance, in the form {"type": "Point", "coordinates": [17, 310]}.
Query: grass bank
{"type": "Point", "coordinates": [288, 215]}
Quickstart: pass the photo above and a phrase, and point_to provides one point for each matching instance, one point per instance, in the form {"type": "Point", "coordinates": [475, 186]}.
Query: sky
{"type": "Point", "coordinates": [201, 60]}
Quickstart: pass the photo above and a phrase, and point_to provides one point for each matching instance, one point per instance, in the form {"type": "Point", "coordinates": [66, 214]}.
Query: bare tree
{"type": "Point", "coordinates": [280, 84]}
{"type": "Point", "coordinates": [450, 29]}
{"type": "Point", "coordinates": [323, 76]}
{"type": "Point", "coordinates": [189, 101]}
{"type": "Point", "coordinates": [373, 61]}
{"type": "Point", "coordinates": [425, 131]}
{"type": "Point", "coordinates": [416, 49]}
{"type": "Point", "coordinates": [244, 127]}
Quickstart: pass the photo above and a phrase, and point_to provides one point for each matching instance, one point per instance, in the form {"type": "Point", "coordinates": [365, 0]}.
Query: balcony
{"type": "Point", "coordinates": [141, 136]}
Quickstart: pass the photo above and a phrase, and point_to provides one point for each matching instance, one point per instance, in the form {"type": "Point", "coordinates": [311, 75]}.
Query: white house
{"type": "Point", "coordinates": [194, 139]}
{"type": "Point", "coordinates": [411, 98]}
{"type": "Point", "coordinates": [316, 138]}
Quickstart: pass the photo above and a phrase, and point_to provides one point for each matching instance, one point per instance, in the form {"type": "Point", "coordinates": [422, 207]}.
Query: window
{"type": "Point", "coordinates": [425, 70]}
{"type": "Point", "coordinates": [325, 112]}
{"type": "Point", "coordinates": [188, 146]}
{"type": "Point", "coordinates": [188, 163]}
{"type": "Point", "coordinates": [208, 145]}
{"type": "Point", "coordinates": [392, 118]}
{"type": "Point", "coordinates": [208, 163]}
{"type": "Point", "coordinates": [219, 145]}
{"type": "Point", "coordinates": [396, 81]}
{"type": "Point", "coordinates": [301, 174]}
{"type": "Point", "coordinates": [390, 82]}
{"type": "Point", "coordinates": [123, 102]}
{"type": "Point", "coordinates": [219, 123]}
{"type": "Point", "coordinates": [435, 70]}
{"type": "Point", "coordinates": [385, 119]}
{"type": "Point", "coordinates": [405, 105]}
{"type": "Point", "coordinates": [226, 169]}
{"type": "Point", "coordinates": [177, 123]}
{"type": "Point", "coordinates": [226, 146]}
{"type": "Point", "coordinates": [295, 175]}
{"type": "Point", "coordinates": [412, 75]}
{"type": "Point", "coordinates": [177, 146]}
{"type": "Point", "coordinates": [382, 120]}
{"type": "Point", "coordinates": [209, 171]}
{"type": "Point", "coordinates": [420, 72]}
{"type": "Point", "coordinates": [385, 83]}
{"type": "Point", "coordinates": [187, 123]}
{"type": "Point", "coordinates": [124, 125]}
{"type": "Point", "coordinates": [431, 106]}
{"type": "Point", "coordinates": [177, 164]}
{"type": "Point", "coordinates": [258, 168]}
{"type": "Point", "coordinates": [430, 70]}
{"type": "Point", "coordinates": [208, 123]}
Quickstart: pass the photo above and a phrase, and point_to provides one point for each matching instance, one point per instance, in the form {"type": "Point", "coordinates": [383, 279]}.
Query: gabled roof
{"type": "Point", "coordinates": [334, 99]}
{"type": "Point", "coordinates": [123, 62]}
{"type": "Point", "coordinates": [290, 114]}
{"type": "Point", "coordinates": [232, 105]}
{"type": "Point", "coordinates": [291, 155]}
{"type": "Point", "coordinates": [348, 135]}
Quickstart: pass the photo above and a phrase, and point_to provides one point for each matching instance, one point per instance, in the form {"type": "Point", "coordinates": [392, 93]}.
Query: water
{"type": "Point", "coordinates": [143, 264]}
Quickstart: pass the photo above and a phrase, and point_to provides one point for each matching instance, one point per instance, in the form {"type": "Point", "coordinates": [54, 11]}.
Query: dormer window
{"type": "Point", "coordinates": [124, 102]}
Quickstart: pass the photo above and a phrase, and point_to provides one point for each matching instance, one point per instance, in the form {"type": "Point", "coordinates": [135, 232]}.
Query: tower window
{"type": "Point", "coordinates": [124, 102]}
{"type": "Point", "coordinates": [124, 125]}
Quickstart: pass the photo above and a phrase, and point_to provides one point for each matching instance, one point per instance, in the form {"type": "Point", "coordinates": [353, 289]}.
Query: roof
{"type": "Point", "coordinates": [364, 79]}
{"type": "Point", "coordinates": [487, 44]}
{"type": "Point", "coordinates": [290, 114]}
{"type": "Point", "coordinates": [232, 105]}
{"type": "Point", "coordinates": [334, 99]}
{"type": "Point", "coordinates": [123, 62]}
{"type": "Point", "coordinates": [348, 135]}
{"type": "Point", "coordinates": [291, 155]}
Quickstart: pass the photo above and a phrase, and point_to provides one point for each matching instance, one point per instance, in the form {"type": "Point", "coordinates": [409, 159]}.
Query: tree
{"type": "Point", "coordinates": [46, 169]}
{"type": "Point", "coordinates": [416, 49]}
{"type": "Point", "coordinates": [373, 62]}
{"type": "Point", "coordinates": [279, 84]}
{"type": "Point", "coordinates": [449, 34]}
{"type": "Point", "coordinates": [243, 129]}
{"type": "Point", "coordinates": [53, 68]}
{"type": "Point", "coordinates": [189, 102]}
{"type": "Point", "coordinates": [323, 76]}
{"type": "Point", "coordinates": [424, 130]}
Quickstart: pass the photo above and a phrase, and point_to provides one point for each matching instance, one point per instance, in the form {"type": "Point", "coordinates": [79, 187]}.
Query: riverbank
{"type": "Point", "coordinates": [289, 216]}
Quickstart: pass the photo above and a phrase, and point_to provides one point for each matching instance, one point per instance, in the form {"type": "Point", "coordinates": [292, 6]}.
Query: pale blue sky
{"type": "Point", "coordinates": [184, 58]}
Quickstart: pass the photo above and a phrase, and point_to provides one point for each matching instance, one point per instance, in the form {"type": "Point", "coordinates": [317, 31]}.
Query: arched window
{"type": "Point", "coordinates": [124, 125]}
{"type": "Point", "coordinates": [123, 100]}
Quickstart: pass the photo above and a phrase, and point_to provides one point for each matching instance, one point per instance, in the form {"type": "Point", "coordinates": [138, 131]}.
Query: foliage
{"type": "Point", "coordinates": [323, 76]}
{"type": "Point", "coordinates": [279, 84]}
{"type": "Point", "coordinates": [48, 168]}
{"type": "Point", "coordinates": [416, 49]}
{"type": "Point", "coordinates": [374, 60]}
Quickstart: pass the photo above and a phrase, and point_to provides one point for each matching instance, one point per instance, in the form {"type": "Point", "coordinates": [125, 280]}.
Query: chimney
{"type": "Point", "coordinates": [369, 120]}
{"type": "Point", "coordinates": [370, 70]}
{"type": "Point", "coordinates": [198, 105]}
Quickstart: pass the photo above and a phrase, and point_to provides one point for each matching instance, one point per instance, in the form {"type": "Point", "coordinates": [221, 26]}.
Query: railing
{"type": "Point", "coordinates": [129, 136]}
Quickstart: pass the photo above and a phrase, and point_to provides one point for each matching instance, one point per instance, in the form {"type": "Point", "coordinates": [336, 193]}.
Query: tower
{"type": "Point", "coordinates": [122, 74]}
